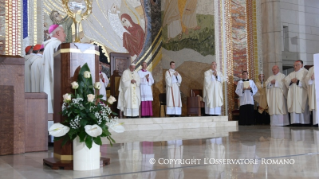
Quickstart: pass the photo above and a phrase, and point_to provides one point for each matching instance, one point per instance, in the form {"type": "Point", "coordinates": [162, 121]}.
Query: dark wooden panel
{"type": "Point", "coordinates": [36, 122]}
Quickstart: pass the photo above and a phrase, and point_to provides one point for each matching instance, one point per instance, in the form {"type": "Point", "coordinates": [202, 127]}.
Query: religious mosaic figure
{"type": "Point", "coordinates": [172, 19]}
{"type": "Point", "coordinates": [133, 40]}
{"type": "Point", "coordinates": [115, 21]}
{"type": "Point", "coordinates": [66, 23]}
{"type": "Point", "coordinates": [189, 18]}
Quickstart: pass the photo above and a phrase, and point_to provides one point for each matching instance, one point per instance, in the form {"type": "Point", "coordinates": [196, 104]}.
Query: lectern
{"type": "Point", "coordinates": [68, 60]}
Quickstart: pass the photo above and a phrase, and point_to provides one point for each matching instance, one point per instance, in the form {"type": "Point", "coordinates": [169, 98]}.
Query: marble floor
{"type": "Point", "coordinates": [258, 150]}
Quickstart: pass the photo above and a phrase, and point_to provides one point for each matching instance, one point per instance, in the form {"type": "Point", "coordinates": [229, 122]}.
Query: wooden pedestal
{"type": "Point", "coordinates": [67, 63]}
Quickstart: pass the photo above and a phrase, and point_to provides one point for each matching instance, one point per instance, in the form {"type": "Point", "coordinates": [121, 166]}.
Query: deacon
{"type": "Point", "coordinates": [129, 89]}
{"type": "Point", "coordinates": [27, 67]}
{"type": "Point", "coordinates": [173, 94]}
{"type": "Point", "coordinates": [262, 115]}
{"type": "Point", "coordinates": [213, 91]}
{"type": "Point", "coordinates": [37, 71]}
{"type": "Point", "coordinates": [246, 89]}
{"type": "Point", "coordinates": [50, 46]}
{"type": "Point", "coordinates": [146, 91]}
{"type": "Point", "coordinates": [310, 81]}
{"type": "Point", "coordinates": [277, 98]}
{"type": "Point", "coordinates": [297, 94]}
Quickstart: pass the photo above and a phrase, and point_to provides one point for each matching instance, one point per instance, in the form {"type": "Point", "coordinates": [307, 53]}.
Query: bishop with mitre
{"type": "Point", "coordinates": [310, 81]}
{"type": "Point", "coordinates": [277, 98]}
{"type": "Point", "coordinates": [213, 91]}
{"type": "Point", "coordinates": [129, 96]}
{"type": "Point", "coordinates": [246, 89]}
{"type": "Point", "coordinates": [173, 94]}
{"type": "Point", "coordinates": [297, 94]}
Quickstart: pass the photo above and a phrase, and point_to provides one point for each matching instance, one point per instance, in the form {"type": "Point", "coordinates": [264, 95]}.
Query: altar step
{"type": "Point", "coordinates": [140, 124]}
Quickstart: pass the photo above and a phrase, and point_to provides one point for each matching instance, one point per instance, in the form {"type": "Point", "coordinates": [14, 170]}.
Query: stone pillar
{"type": "Point", "coordinates": [271, 35]}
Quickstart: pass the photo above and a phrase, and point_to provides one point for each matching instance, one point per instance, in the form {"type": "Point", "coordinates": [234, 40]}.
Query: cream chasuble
{"type": "Point", "coordinates": [262, 102]}
{"type": "Point", "coordinates": [50, 46]}
{"type": "Point", "coordinates": [173, 95]}
{"type": "Point", "coordinates": [129, 94]}
{"type": "Point", "coordinates": [213, 92]}
{"type": "Point", "coordinates": [297, 97]}
{"type": "Point", "coordinates": [36, 73]}
{"type": "Point", "coordinates": [312, 95]}
{"type": "Point", "coordinates": [277, 100]}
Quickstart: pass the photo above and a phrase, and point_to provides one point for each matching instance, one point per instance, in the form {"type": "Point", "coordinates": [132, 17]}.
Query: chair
{"type": "Point", "coordinates": [162, 99]}
{"type": "Point", "coordinates": [194, 103]}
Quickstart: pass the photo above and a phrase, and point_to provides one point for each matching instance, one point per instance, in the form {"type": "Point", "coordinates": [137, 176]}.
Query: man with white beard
{"type": "Point", "coordinates": [277, 98]}
{"type": "Point", "coordinates": [57, 37]}
{"type": "Point", "coordinates": [310, 80]}
{"type": "Point", "coordinates": [297, 94]}
{"type": "Point", "coordinates": [213, 91]}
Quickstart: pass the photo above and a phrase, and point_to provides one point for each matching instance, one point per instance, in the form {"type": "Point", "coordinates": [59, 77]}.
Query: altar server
{"type": "Point", "coordinates": [129, 97]}
{"type": "Point", "coordinates": [246, 89]}
{"type": "Point", "coordinates": [37, 72]}
{"type": "Point", "coordinates": [146, 91]}
{"type": "Point", "coordinates": [310, 81]}
{"type": "Point", "coordinates": [277, 98]}
{"type": "Point", "coordinates": [213, 91]}
{"type": "Point", "coordinates": [297, 94]}
{"type": "Point", "coordinates": [50, 46]}
{"type": "Point", "coordinates": [173, 94]}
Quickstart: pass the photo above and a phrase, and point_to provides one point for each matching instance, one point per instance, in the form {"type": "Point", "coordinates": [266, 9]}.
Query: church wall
{"type": "Point", "coordinates": [302, 39]}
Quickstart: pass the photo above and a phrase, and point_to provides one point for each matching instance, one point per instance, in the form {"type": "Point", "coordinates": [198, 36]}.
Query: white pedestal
{"type": "Point", "coordinates": [85, 158]}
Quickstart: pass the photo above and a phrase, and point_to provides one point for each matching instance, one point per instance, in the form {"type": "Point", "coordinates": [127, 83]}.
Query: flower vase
{"type": "Point", "coordinates": [85, 158]}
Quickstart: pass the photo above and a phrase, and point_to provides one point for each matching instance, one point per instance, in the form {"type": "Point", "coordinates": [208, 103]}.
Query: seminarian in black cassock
{"type": "Point", "coordinates": [246, 89]}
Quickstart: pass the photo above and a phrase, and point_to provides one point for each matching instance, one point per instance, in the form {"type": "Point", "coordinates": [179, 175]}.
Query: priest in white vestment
{"type": "Point", "coordinates": [310, 81]}
{"type": "Point", "coordinates": [50, 46]}
{"type": "Point", "coordinates": [262, 116]}
{"type": "Point", "coordinates": [297, 94]}
{"type": "Point", "coordinates": [277, 98]}
{"type": "Point", "coordinates": [246, 89]}
{"type": "Point", "coordinates": [104, 81]}
{"type": "Point", "coordinates": [27, 78]}
{"type": "Point", "coordinates": [146, 91]}
{"type": "Point", "coordinates": [173, 94]}
{"type": "Point", "coordinates": [37, 71]}
{"type": "Point", "coordinates": [213, 91]}
{"type": "Point", "coordinates": [129, 97]}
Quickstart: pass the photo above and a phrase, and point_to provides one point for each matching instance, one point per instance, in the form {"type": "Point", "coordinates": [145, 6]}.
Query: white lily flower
{"type": "Point", "coordinates": [97, 85]}
{"type": "Point", "coordinates": [117, 127]}
{"type": "Point", "coordinates": [75, 85]}
{"type": "Point", "coordinates": [87, 74]}
{"type": "Point", "coordinates": [58, 130]}
{"type": "Point", "coordinates": [93, 130]}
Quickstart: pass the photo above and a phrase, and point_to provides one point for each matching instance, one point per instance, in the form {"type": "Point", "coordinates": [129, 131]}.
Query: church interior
{"type": "Point", "coordinates": [230, 89]}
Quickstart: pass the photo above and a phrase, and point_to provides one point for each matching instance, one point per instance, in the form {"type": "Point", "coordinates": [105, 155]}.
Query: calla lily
{"type": "Point", "coordinates": [93, 130]}
{"type": "Point", "coordinates": [117, 127]}
{"type": "Point", "coordinates": [58, 130]}
{"type": "Point", "coordinates": [97, 85]}
{"type": "Point", "coordinates": [87, 74]}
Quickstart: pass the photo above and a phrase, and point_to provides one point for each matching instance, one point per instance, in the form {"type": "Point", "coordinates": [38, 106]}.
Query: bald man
{"type": "Point", "coordinates": [129, 97]}
{"type": "Point", "coordinates": [277, 98]}
{"type": "Point", "coordinates": [297, 95]}
{"type": "Point", "coordinates": [213, 91]}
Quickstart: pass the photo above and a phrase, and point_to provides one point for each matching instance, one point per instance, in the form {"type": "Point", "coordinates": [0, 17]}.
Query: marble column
{"type": "Point", "coordinates": [271, 35]}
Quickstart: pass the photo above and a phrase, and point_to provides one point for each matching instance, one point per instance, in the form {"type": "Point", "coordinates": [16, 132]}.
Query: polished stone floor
{"type": "Point", "coordinates": [258, 151]}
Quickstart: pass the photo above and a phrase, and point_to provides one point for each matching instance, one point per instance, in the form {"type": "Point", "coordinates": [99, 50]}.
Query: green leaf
{"type": "Point", "coordinates": [83, 122]}
{"type": "Point", "coordinates": [57, 138]}
{"type": "Point", "coordinates": [114, 113]}
{"type": "Point", "coordinates": [65, 140]}
{"type": "Point", "coordinates": [100, 96]}
{"type": "Point", "coordinates": [82, 135]}
{"type": "Point", "coordinates": [89, 142]}
{"type": "Point", "coordinates": [92, 116]}
{"type": "Point", "coordinates": [97, 140]}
